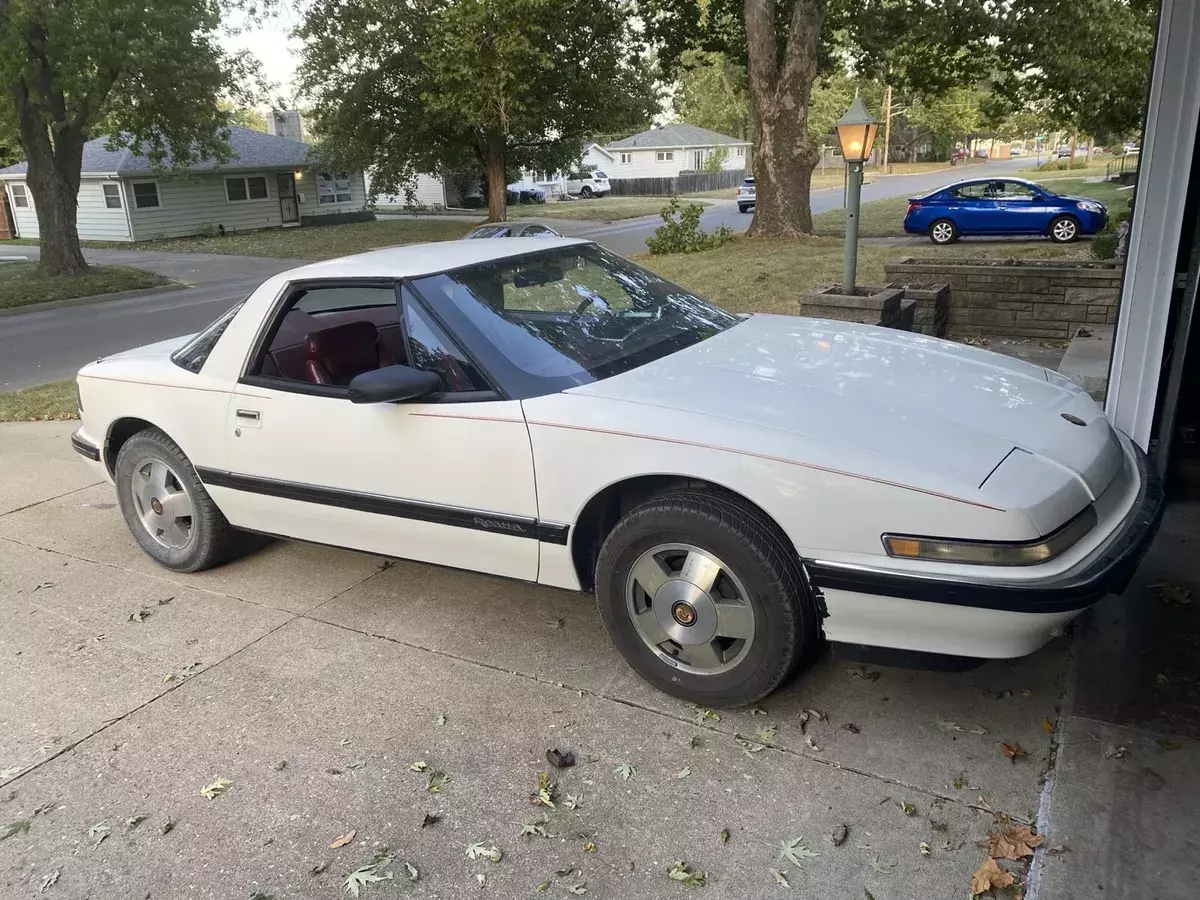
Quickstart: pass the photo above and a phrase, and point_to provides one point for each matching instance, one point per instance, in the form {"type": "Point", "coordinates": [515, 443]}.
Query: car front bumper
{"type": "Point", "coordinates": [987, 619]}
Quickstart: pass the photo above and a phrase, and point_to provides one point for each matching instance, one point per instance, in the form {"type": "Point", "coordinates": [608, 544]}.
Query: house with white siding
{"type": "Point", "coordinates": [270, 182]}
{"type": "Point", "coordinates": [666, 151]}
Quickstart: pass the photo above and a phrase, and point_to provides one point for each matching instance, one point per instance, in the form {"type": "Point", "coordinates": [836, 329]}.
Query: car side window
{"type": "Point", "coordinates": [326, 335]}
{"type": "Point", "coordinates": [431, 350]}
{"type": "Point", "coordinates": [1011, 190]}
{"type": "Point", "coordinates": [972, 192]}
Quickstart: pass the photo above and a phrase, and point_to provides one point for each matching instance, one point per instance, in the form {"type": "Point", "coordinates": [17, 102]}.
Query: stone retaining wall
{"type": "Point", "coordinates": [1047, 299]}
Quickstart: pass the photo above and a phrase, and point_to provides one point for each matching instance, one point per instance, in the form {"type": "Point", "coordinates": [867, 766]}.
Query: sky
{"type": "Point", "coordinates": [275, 50]}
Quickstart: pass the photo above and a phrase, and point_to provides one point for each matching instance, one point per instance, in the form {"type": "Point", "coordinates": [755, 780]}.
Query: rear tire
{"type": "Point", "coordinates": [167, 508]}
{"type": "Point", "coordinates": [763, 620]}
{"type": "Point", "coordinates": [943, 231]}
{"type": "Point", "coordinates": [1064, 230]}
{"type": "Point", "coordinates": [743, 208]}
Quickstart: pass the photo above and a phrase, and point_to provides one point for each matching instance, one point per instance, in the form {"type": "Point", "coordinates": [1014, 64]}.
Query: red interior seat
{"type": "Point", "coordinates": [335, 355]}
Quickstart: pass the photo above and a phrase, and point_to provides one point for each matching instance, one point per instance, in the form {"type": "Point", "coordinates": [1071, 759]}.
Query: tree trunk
{"type": "Point", "coordinates": [1074, 145]}
{"type": "Point", "coordinates": [53, 179]}
{"type": "Point", "coordinates": [497, 186]}
{"type": "Point", "coordinates": [780, 90]}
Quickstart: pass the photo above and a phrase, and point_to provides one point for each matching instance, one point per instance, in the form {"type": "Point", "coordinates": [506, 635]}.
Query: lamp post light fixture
{"type": "Point", "coordinates": [856, 133]}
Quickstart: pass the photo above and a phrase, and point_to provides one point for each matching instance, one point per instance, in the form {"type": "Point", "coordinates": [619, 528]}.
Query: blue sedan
{"type": "Point", "coordinates": [989, 206]}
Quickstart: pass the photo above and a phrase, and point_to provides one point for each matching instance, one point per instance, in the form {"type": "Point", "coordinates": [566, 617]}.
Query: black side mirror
{"type": "Point", "coordinates": [392, 384]}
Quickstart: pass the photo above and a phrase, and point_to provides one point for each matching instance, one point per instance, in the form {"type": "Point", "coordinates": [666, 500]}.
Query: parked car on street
{"type": "Point", "coordinates": [1016, 151]}
{"type": "Point", "coordinates": [994, 206]}
{"type": "Point", "coordinates": [735, 490]}
{"type": "Point", "coordinates": [746, 195]}
{"type": "Point", "coordinates": [1064, 151]}
{"type": "Point", "coordinates": [525, 193]}
{"type": "Point", "coordinates": [587, 184]}
{"type": "Point", "coordinates": [981, 153]}
{"type": "Point", "coordinates": [510, 229]}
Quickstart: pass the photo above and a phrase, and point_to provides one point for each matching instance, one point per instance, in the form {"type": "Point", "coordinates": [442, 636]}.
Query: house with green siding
{"type": "Point", "coordinates": [270, 182]}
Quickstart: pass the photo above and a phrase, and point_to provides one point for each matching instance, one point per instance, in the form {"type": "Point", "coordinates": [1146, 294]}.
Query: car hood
{"type": "Point", "coordinates": [919, 403]}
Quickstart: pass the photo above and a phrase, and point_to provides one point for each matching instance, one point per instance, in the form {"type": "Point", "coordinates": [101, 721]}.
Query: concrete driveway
{"type": "Point", "coordinates": [312, 680]}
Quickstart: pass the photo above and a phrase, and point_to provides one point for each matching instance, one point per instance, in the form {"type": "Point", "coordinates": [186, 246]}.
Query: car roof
{"type": "Point", "coordinates": [415, 260]}
{"type": "Point", "coordinates": [958, 184]}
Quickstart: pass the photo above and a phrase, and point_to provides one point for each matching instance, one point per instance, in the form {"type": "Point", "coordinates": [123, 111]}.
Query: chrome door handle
{"type": "Point", "coordinates": [252, 415]}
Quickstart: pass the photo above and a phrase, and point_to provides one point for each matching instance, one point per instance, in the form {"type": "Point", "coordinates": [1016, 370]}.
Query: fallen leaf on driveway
{"type": "Point", "coordinates": [944, 726]}
{"type": "Point", "coordinates": [436, 781]}
{"type": "Point", "coordinates": [989, 876]}
{"type": "Point", "coordinates": [1012, 842]}
{"type": "Point", "coordinates": [758, 711]}
{"type": "Point", "coordinates": [702, 714]}
{"type": "Point", "coordinates": [924, 848]}
{"type": "Point", "coordinates": [441, 719]}
{"type": "Point", "coordinates": [49, 881]}
{"type": "Point", "coordinates": [979, 729]}
{"type": "Point", "coordinates": [767, 732]}
{"type": "Point", "coordinates": [360, 878]}
{"type": "Point", "coordinates": [430, 819]}
{"type": "Point", "coordinates": [413, 874]}
{"type": "Point", "coordinates": [419, 766]}
{"type": "Point", "coordinates": [140, 616]}
{"type": "Point", "coordinates": [865, 674]}
{"type": "Point", "coordinates": [557, 623]}
{"type": "Point", "coordinates": [750, 747]}
{"type": "Point", "coordinates": [811, 744]}
{"type": "Point", "coordinates": [687, 874]}
{"type": "Point", "coordinates": [342, 840]}
{"type": "Point", "coordinates": [625, 771]}
{"type": "Point", "coordinates": [167, 827]}
{"type": "Point", "coordinates": [580, 888]}
{"type": "Point", "coordinates": [1168, 744]}
{"type": "Point", "coordinates": [907, 808]}
{"type": "Point", "coordinates": [21, 826]}
{"type": "Point", "coordinates": [724, 835]}
{"type": "Point", "coordinates": [1171, 593]}
{"type": "Point", "coordinates": [478, 850]}
{"type": "Point", "coordinates": [98, 833]}
{"type": "Point", "coordinates": [573, 801]}
{"type": "Point", "coordinates": [852, 728]}
{"type": "Point", "coordinates": [796, 851]}
{"type": "Point", "coordinates": [780, 877]}
{"type": "Point", "coordinates": [1114, 752]}
{"type": "Point", "coordinates": [1047, 725]}
{"type": "Point", "coordinates": [10, 771]}
{"type": "Point", "coordinates": [319, 868]}
{"type": "Point", "coordinates": [216, 789]}
{"type": "Point", "coordinates": [881, 866]}
{"type": "Point", "coordinates": [1012, 751]}
{"type": "Point", "coordinates": [134, 821]}
{"type": "Point", "coordinates": [684, 772]}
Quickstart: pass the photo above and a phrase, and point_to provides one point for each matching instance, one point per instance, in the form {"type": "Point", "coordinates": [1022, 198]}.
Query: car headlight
{"type": "Point", "coordinates": [992, 553]}
{"type": "Point", "coordinates": [1090, 206]}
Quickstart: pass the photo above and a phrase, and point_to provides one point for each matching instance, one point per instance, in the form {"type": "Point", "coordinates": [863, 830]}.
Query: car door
{"type": "Point", "coordinates": [447, 479]}
{"type": "Point", "coordinates": [968, 208]}
{"type": "Point", "coordinates": [1021, 210]}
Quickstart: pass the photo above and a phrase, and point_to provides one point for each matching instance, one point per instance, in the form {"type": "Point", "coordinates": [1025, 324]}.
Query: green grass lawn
{"type": "Point", "coordinates": [42, 403]}
{"type": "Point", "coordinates": [608, 209]}
{"type": "Point", "coordinates": [885, 218]}
{"type": "Point", "coordinates": [21, 284]}
{"type": "Point", "coordinates": [313, 242]}
{"type": "Point", "coordinates": [765, 275]}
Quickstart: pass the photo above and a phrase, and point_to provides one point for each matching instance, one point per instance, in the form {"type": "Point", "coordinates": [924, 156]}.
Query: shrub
{"type": "Point", "coordinates": [1104, 244]}
{"type": "Point", "coordinates": [681, 232]}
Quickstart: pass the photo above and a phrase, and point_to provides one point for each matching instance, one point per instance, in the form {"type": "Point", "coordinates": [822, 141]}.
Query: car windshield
{"type": "Point", "coordinates": [555, 319]}
{"type": "Point", "coordinates": [194, 353]}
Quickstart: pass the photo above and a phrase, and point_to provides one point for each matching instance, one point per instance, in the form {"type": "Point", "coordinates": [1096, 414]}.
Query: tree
{"type": "Point", "coordinates": [786, 45]}
{"type": "Point", "coordinates": [1084, 64]}
{"type": "Point", "coordinates": [953, 114]}
{"type": "Point", "coordinates": [144, 73]}
{"type": "Point", "coordinates": [410, 86]}
{"type": "Point", "coordinates": [246, 116]}
{"type": "Point", "coordinates": [712, 93]}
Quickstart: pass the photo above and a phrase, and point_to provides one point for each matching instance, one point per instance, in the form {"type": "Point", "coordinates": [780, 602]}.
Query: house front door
{"type": "Point", "coordinates": [289, 208]}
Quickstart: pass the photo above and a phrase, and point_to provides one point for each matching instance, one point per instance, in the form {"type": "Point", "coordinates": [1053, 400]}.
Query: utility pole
{"type": "Point", "coordinates": [887, 124]}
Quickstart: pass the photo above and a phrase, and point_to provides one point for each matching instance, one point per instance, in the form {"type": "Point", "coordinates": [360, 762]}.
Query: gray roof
{"type": "Point", "coordinates": [678, 135]}
{"type": "Point", "coordinates": [251, 150]}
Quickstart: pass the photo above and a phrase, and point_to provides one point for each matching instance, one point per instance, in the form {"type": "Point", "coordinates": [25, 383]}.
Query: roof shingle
{"type": "Point", "coordinates": [677, 135]}
{"type": "Point", "coordinates": [251, 150]}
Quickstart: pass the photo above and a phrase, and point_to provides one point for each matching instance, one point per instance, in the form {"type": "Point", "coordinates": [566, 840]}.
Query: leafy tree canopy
{"type": "Point", "coordinates": [431, 85]}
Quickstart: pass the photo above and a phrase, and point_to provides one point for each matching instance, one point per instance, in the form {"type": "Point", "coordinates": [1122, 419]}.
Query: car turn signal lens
{"type": "Point", "coordinates": [984, 553]}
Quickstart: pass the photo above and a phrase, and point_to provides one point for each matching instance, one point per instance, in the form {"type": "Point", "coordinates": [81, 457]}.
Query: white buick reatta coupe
{"type": "Point", "coordinates": [735, 490]}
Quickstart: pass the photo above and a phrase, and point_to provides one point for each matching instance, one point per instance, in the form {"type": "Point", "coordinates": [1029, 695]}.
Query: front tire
{"type": "Point", "coordinates": [705, 599]}
{"type": "Point", "coordinates": [167, 508]}
{"type": "Point", "coordinates": [1064, 230]}
{"type": "Point", "coordinates": [585, 192]}
{"type": "Point", "coordinates": [943, 231]}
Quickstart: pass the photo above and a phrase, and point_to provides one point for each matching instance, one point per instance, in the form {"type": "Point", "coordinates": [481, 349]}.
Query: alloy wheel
{"type": "Point", "coordinates": [943, 232]}
{"type": "Point", "coordinates": [163, 504]}
{"type": "Point", "coordinates": [690, 609]}
{"type": "Point", "coordinates": [1064, 230]}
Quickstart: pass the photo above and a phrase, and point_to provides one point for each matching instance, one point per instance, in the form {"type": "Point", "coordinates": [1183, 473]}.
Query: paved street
{"type": "Point", "coordinates": [312, 679]}
{"type": "Point", "coordinates": [52, 344]}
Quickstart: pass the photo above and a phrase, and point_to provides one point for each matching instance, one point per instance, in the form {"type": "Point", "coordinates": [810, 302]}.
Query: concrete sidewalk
{"type": "Point", "coordinates": [313, 679]}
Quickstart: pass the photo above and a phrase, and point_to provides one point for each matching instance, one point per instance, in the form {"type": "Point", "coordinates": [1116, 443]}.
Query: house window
{"type": "Point", "coordinates": [740, 152]}
{"type": "Point", "coordinates": [112, 196]}
{"type": "Point", "coordinates": [333, 187]}
{"type": "Point", "coordinates": [145, 195]}
{"type": "Point", "coordinates": [250, 187]}
{"type": "Point", "coordinates": [626, 158]}
{"type": "Point", "coordinates": [665, 155]}
{"type": "Point", "coordinates": [20, 196]}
